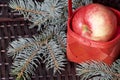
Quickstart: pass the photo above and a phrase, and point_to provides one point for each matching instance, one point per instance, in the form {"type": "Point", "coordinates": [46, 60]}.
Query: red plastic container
{"type": "Point", "coordinates": [80, 49]}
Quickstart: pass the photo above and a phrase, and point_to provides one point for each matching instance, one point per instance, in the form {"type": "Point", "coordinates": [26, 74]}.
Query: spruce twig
{"type": "Point", "coordinates": [26, 62]}
{"type": "Point", "coordinates": [30, 49]}
{"type": "Point", "coordinates": [14, 52]}
{"type": "Point", "coordinates": [53, 57]}
{"type": "Point", "coordinates": [40, 13]}
{"type": "Point", "coordinates": [19, 8]}
{"type": "Point", "coordinates": [20, 74]}
{"type": "Point", "coordinates": [97, 70]}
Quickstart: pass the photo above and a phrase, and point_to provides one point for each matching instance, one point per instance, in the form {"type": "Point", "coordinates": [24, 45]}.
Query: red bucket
{"type": "Point", "coordinates": [80, 49]}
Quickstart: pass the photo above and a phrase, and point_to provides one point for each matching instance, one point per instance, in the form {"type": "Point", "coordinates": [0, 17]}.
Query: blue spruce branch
{"type": "Point", "coordinates": [98, 70]}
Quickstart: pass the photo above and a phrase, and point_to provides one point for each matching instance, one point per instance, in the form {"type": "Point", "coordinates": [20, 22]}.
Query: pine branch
{"type": "Point", "coordinates": [19, 8]}
{"type": "Point", "coordinates": [78, 3]}
{"type": "Point", "coordinates": [20, 44]}
{"type": "Point", "coordinates": [26, 62]}
{"type": "Point", "coordinates": [54, 58]}
{"type": "Point", "coordinates": [52, 49]}
{"type": "Point", "coordinates": [60, 37]}
{"type": "Point", "coordinates": [17, 46]}
{"type": "Point", "coordinates": [97, 70]}
{"type": "Point", "coordinates": [92, 69]}
{"type": "Point", "coordinates": [31, 10]}
{"type": "Point", "coordinates": [26, 7]}
{"type": "Point", "coordinates": [116, 68]}
{"type": "Point", "coordinates": [40, 12]}
{"type": "Point", "coordinates": [25, 66]}
{"type": "Point", "coordinates": [28, 51]}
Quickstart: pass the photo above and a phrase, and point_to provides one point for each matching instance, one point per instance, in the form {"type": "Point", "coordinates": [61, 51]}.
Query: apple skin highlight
{"type": "Point", "coordinates": [95, 22]}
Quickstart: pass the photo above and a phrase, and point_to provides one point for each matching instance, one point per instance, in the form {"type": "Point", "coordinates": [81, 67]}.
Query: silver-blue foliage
{"type": "Point", "coordinates": [18, 45]}
{"type": "Point", "coordinates": [79, 3]}
{"type": "Point", "coordinates": [94, 70]}
{"type": "Point", "coordinates": [27, 52]}
{"type": "Point", "coordinates": [41, 13]}
{"type": "Point", "coordinates": [27, 58]}
{"type": "Point", "coordinates": [116, 68]}
{"type": "Point", "coordinates": [54, 57]}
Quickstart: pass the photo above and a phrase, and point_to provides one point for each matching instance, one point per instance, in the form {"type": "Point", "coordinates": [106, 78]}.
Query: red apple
{"type": "Point", "coordinates": [95, 22]}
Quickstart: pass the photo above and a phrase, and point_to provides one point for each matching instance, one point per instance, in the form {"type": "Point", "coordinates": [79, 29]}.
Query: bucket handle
{"type": "Point", "coordinates": [70, 8]}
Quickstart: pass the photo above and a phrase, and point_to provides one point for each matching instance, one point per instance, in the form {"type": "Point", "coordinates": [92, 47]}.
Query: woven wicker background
{"type": "Point", "coordinates": [12, 26]}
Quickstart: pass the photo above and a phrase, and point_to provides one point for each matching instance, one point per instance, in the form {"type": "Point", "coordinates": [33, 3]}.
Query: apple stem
{"type": "Point", "coordinates": [86, 29]}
